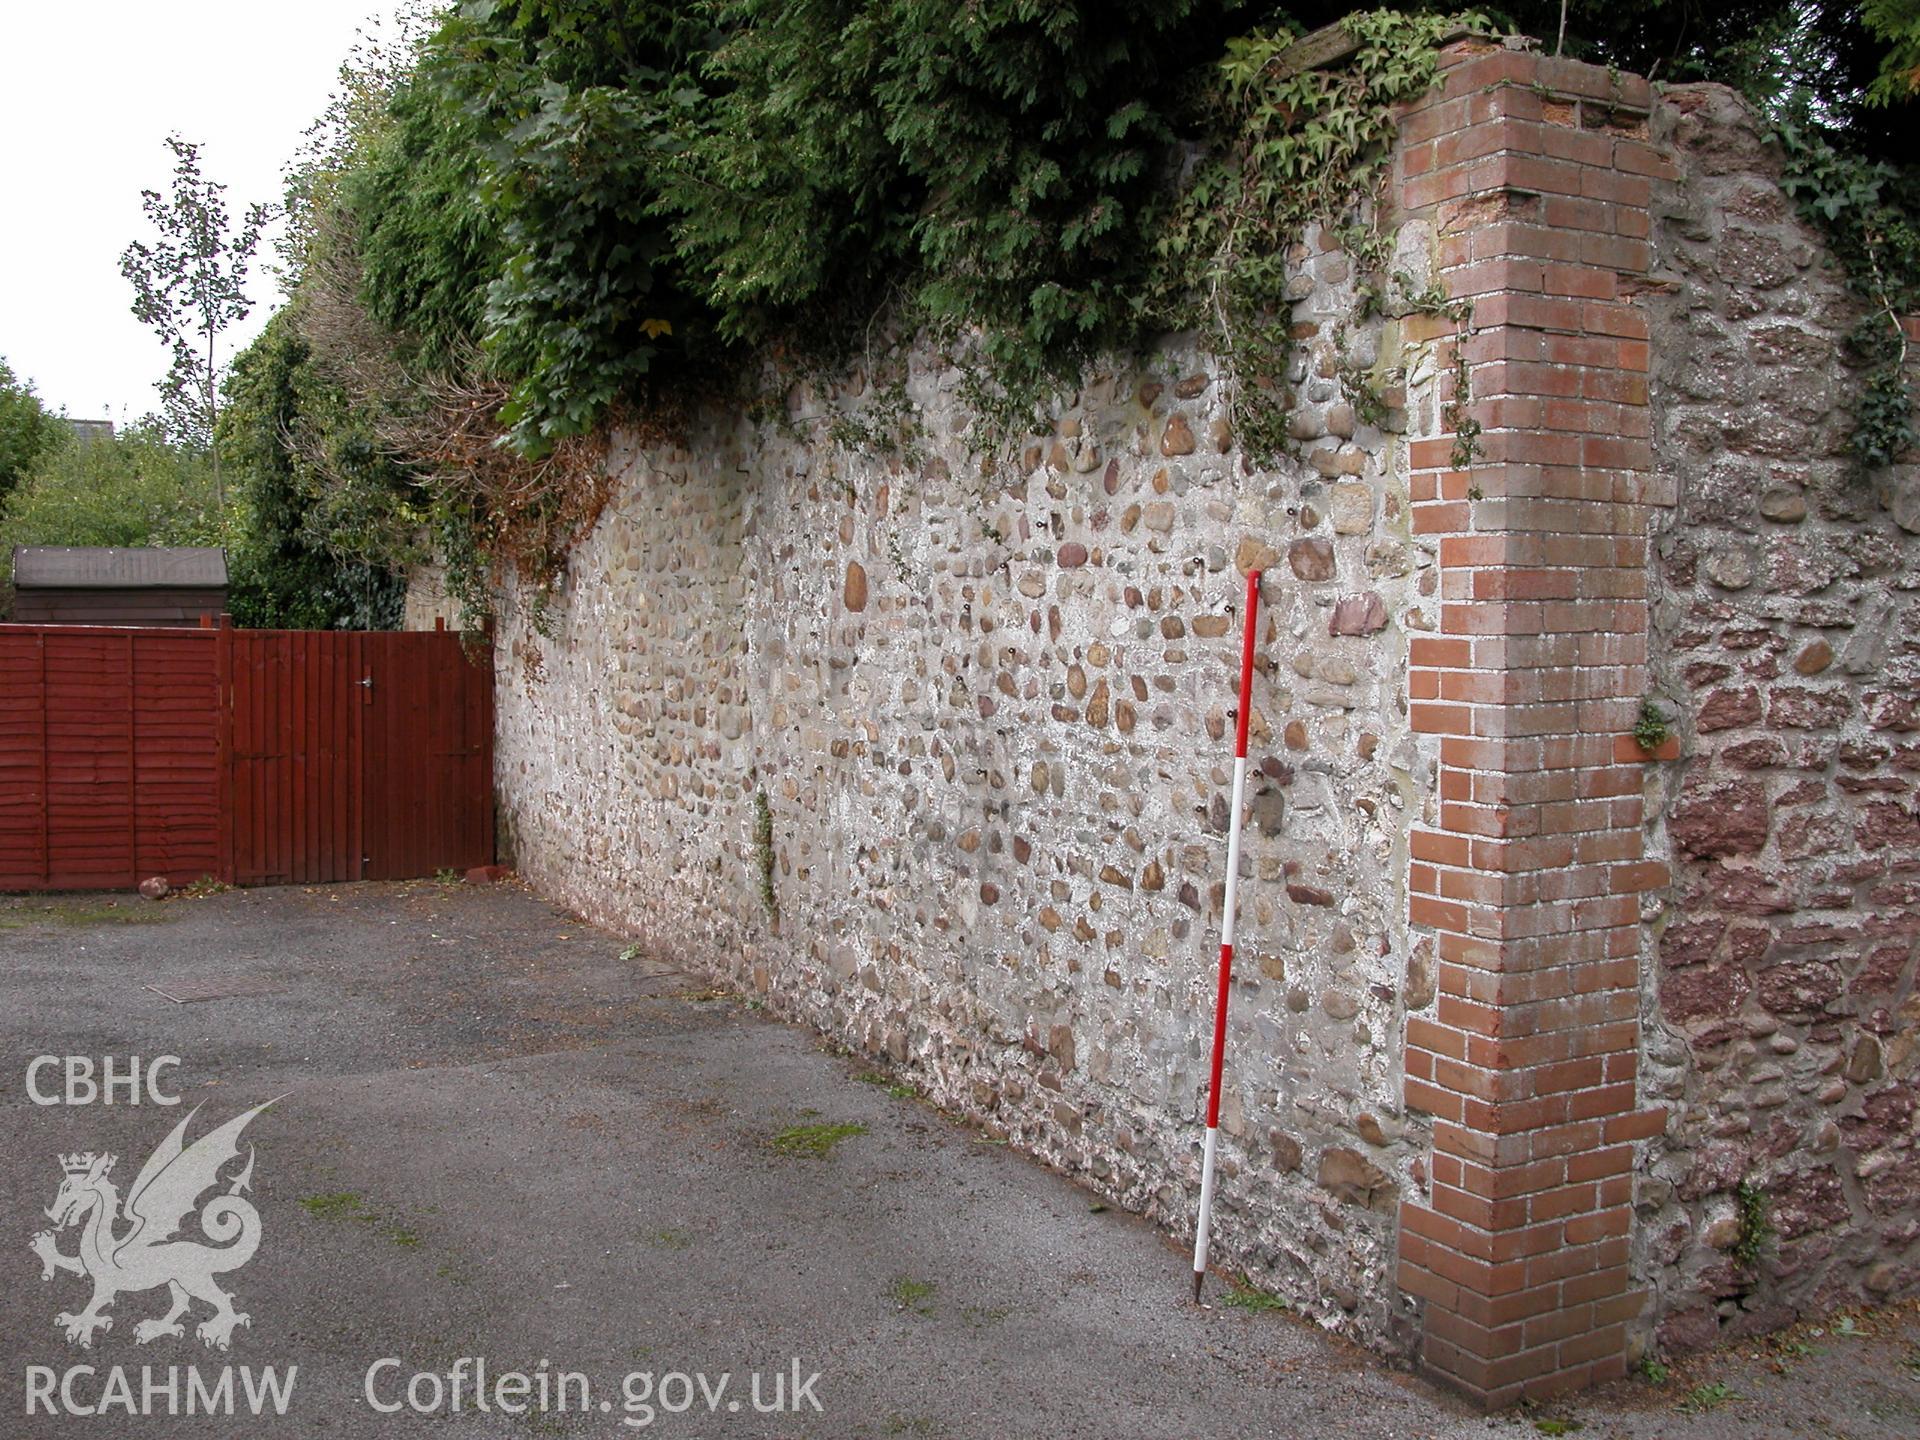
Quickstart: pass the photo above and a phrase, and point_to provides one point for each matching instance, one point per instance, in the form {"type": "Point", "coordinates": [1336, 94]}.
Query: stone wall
{"type": "Point", "coordinates": [1783, 1020]}
{"type": "Point", "coordinates": [928, 746]}
{"type": "Point", "coordinates": [427, 602]}
{"type": "Point", "coordinates": [990, 710]}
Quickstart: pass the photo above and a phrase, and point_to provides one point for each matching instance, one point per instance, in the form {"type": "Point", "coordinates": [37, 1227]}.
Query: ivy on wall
{"type": "Point", "coordinates": [1867, 209]}
{"type": "Point", "coordinates": [559, 212]}
{"type": "Point", "coordinates": [1294, 147]}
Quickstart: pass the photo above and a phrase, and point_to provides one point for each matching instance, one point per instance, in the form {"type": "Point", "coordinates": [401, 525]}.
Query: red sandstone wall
{"type": "Point", "coordinates": [1782, 1007]}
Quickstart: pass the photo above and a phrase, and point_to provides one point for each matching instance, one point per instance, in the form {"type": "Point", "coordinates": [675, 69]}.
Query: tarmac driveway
{"type": "Point", "coordinates": [505, 1141]}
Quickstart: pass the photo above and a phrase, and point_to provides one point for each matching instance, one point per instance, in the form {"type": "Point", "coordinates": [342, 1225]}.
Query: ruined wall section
{"type": "Point", "coordinates": [1782, 1020]}
{"type": "Point", "coordinates": [989, 708]}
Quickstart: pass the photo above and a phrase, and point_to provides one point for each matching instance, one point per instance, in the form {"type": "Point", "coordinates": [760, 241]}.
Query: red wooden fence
{"type": "Point", "coordinates": [254, 756]}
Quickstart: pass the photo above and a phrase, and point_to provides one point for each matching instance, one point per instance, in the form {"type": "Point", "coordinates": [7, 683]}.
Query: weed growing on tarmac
{"type": "Point", "coordinates": [81, 913]}
{"type": "Point", "coordinates": [1244, 1296]}
{"type": "Point", "coordinates": [911, 1294]}
{"type": "Point", "coordinates": [814, 1141]}
{"type": "Point", "coordinates": [342, 1205]}
{"type": "Point", "coordinates": [898, 1089]}
{"type": "Point", "coordinates": [1703, 1398]}
{"type": "Point", "coordinates": [346, 1205]}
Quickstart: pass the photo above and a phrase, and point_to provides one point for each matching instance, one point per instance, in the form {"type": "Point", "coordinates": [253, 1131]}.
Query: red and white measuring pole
{"type": "Point", "coordinates": [1226, 931]}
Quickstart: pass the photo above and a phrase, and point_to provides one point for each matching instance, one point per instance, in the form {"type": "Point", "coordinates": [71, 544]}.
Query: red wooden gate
{"type": "Point", "coordinates": [428, 747]}
{"type": "Point", "coordinates": [254, 756]}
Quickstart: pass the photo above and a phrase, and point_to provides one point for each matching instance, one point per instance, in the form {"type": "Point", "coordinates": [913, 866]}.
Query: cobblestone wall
{"type": "Point", "coordinates": [1783, 1021]}
{"type": "Point", "coordinates": [990, 717]}
{"type": "Point", "coordinates": [931, 749]}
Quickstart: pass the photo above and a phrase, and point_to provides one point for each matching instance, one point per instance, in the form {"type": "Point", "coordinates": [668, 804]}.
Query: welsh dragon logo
{"type": "Point", "coordinates": [132, 1247]}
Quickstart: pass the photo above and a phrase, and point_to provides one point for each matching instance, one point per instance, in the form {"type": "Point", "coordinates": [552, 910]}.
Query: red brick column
{"type": "Point", "coordinates": [1534, 173]}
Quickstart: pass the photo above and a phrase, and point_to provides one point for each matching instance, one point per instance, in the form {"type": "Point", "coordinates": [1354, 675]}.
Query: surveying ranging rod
{"type": "Point", "coordinates": [1226, 931]}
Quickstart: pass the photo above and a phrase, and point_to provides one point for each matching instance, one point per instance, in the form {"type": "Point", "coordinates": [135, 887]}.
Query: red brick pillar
{"type": "Point", "coordinates": [1534, 173]}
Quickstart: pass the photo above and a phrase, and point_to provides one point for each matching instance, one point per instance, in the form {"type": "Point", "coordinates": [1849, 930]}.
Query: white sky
{"type": "Point", "coordinates": [88, 94]}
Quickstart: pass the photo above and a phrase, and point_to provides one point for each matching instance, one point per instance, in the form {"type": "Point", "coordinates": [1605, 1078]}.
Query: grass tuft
{"type": "Point", "coordinates": [342, 1205]}
{"type": "Point", "coordinates": [1704, 1398]}
{"type": "Point", "coordinates": [1245, 1296]}
{"type": "Point", "coordinates": [345, 1205]}
{"type": "Point", "coordinates": [911, 1294]}
{"type": "Point", "coordinates": [81, 913]}
{"type": "Point", "coordinates": [814, 1141]}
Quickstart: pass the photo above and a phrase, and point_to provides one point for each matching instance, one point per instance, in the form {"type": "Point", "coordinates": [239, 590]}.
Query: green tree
{"type": "Point", "coordinates": [339, 142]}
{"type": "Point", "coordinates": [317, 542]}
{"type": "Point", "coordinates": [1835, 53]}
{"type": "Point", "coordinates": [27, 430]}
{"type": "Point", "coordinates": [549, 115]}
{"type": "Point", "coordinates": [1001, 162]}
{"type": "Point", "coordinates": [189, 285]}
{"type": "Point", "coordinates": [1897, 23]}
{"type": "Point", "coordinates": [137, 488]}
{"type": "Point", "coordinates": [413, 223]}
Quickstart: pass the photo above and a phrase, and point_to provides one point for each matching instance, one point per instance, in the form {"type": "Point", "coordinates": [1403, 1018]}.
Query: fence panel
{"type": "Point", "coordinates": [254, 756]}
{"type": "Point", "coordinates": [296, 786]}
{"type": "Point", "coordinates": [23, 760]}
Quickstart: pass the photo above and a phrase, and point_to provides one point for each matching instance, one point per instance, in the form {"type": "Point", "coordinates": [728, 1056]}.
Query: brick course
{"type": "Point", "coordinates": [1527, 870]}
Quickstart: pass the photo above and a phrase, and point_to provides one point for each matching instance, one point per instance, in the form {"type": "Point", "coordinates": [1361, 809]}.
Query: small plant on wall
{"type": "Point", "coordinates": [1756, 1232]}
{"type": "Point", "coordinates": [1862, 206]}
{"type": "Point", "coordinates": [763, 852]}
{"type": "Point", "coordinates": [1653, 728]}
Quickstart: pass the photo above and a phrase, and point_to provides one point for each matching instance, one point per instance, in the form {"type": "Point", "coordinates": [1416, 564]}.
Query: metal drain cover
{"type": "Point", "coordinates": [191, 992]}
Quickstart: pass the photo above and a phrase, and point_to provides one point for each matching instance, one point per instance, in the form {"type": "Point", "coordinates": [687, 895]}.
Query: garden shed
{"type": "Point", "coordinates": [89, 585]}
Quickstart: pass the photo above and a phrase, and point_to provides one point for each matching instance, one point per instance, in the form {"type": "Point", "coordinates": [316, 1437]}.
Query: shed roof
{"type": "Point", "coordinates": [98, 568]}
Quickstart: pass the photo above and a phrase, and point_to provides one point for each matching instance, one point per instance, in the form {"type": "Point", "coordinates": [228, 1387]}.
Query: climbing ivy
{"type": "Point", "coordinates": [1293, 148]}
{"type": "Point", "coordinates": [1867, 209]}
{"type": "Point", "coordinates": [568, 211]}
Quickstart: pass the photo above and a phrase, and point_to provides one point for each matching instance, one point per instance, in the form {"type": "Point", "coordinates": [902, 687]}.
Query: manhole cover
{"type": "Point", "coordinates": [190, 992]}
